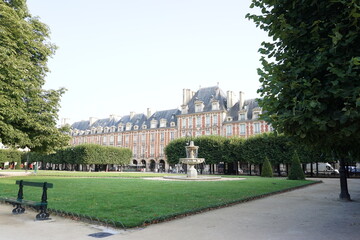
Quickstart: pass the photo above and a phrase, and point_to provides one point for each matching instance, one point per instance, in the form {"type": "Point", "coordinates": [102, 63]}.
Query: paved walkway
{"type": "Point", "coordinates": [311, 213]}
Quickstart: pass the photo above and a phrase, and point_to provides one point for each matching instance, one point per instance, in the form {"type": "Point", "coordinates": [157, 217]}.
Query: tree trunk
{"type": "Point", "coordinates": [344, 193]}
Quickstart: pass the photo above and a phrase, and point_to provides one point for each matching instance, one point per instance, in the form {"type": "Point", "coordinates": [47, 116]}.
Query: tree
{"type": "Point", "coordinates": [310, 84]}
{"type": "Point", "coordinates": [296, 172]}
{"type": "Point", "coordinates": [28, 113]}
{"type": "Point", "coordinates": [266, 170]}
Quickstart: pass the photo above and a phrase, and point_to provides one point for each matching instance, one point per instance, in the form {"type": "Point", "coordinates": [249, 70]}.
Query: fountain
{"type": "Point", "coordinates": [191, 160]}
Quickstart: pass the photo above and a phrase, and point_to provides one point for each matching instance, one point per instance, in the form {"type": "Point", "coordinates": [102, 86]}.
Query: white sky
{"type": "Point", "coordinates": [117, 56]}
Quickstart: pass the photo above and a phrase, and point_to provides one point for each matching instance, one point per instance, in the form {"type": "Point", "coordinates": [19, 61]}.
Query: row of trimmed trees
{"type": "Point", "coordinates": [235, 151]}
{"type": "Point", "coordinates": [72, 158]}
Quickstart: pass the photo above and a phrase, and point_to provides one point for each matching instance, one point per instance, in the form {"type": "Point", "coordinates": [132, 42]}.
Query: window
{"type": "Point", "coordinates": [162, 136]}
{"type": "Point", "coordinates": [190, 122]}
{"type": "Point", "coordinates": [215, 120]}
{"type": "Point", "coordinates": [111, 140]}
{"type": "Point", "coordinates": [127, 140]}
{"type": "Point", "coordinates": [153, 124]}
{"type": "Point", "coordinates": [143, 137]}
{"type": "Point", "coordinates": [152, 137]}
{"type": "Point", "coordinates": [255, 115]}
{"type": "Point", "coordinates": [162, 150]}
{"type": "Point", "coordinates": [228, 130]}
{"type": "Point", "coordinates": [183, 123]}
{"type": "Point", "coordinates": [215, 105]}
{"type": "Point", "coordinates": [256, 127]}
{"type": "Point", "coordinates": [172, 135]}
{"type": "Point", "coordinates": [198, 133]}
{"type": "Point", "coordinates": [144, 126]}
{"type": "Point", "coordinates": [207, 120]}
{"type": "Point", "coordinates": [128, 126]}
{"type": "Point", "coordinates": [207, 132]}
{"type": "Point", "coordinates": [152, 150]}
{"type": "Point", "coordinates": [242, 129]}
{"type": "Point", "coordinates": [172, 124]}
{"type": "Point", "coordinates": [241, 116]}
{"type": "Point", "coordinates": [199, 107]}
{"type": "Point", "coordinates": [198, 121]}
{"type": "Point", "coordinates": [119, 140]}
{"type": "Point", "coordinates": [104, 140]}
{"type": "Point", "coordinates": [136, 127]}
{"type": "Point", "coordinates": [163, 123]}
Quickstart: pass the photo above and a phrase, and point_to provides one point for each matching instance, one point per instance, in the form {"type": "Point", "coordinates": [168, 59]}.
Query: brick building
{"type": "Point", "coordinates": [208, 111]}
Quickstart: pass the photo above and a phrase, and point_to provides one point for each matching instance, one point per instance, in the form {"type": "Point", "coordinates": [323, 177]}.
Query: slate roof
{"type": "Point", "coordinates": [249, 104]}
{"type": "Point", "coordinates": [169, 115]}
{"type": "Point", "coordinates": [206, 95]}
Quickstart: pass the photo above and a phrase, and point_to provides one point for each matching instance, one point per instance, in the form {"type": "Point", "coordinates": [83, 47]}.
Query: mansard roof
{"type": "Point", "coordinates": [168, 115]}
{"type": "Point", "coordinates": [206, 95]}
{"type": "Point", "coordinates": [81, 125]}
{"type": "Point", "coordinates": [137, 119]}
{"type": "Point", "coordinates": [249, 105]}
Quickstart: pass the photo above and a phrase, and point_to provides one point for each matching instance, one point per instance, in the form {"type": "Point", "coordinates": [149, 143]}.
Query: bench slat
{"type": "Point", "coordinates": [23, 202]}
{"type": "Point", "coordinates": [35, 184]}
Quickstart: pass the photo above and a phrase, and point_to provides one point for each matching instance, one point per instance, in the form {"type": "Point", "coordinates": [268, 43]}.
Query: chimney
{"type": "Point", "coordinates": [184, 96]}
{"type": "Point", "coordinates": [92, 120]}
{"type": "Point", "coordinates": [64, 121]}
{"type": "Point", "coordinates": [241, 100]}
{"type": "Point", "coordinates": [148, 112]}
{"type": "Point", "coordinates": [230, 99]}
{"type": "Point", "coordinates": [132, 114]}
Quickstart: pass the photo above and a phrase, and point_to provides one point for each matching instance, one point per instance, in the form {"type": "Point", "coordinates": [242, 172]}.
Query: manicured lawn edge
{"type": "Point", "coordinates": [119, 224]}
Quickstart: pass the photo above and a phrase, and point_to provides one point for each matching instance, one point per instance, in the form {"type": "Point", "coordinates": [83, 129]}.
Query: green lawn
{"type": "Point", "coordinates": [133, 202]}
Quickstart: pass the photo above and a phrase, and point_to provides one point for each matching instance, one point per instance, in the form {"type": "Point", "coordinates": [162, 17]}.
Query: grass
{"type": "Point", "coordinates": [133, 202]}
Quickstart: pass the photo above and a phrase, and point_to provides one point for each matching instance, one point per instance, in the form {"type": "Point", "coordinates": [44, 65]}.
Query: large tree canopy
{"type": "Point", "coordinates": [28, 113]}
{"type": "Point", "coordinates": [311, 76]}
{"type": "Point", "coordinates": [311, 81]}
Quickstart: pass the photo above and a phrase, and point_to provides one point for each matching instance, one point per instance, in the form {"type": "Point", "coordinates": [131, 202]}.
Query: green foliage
{"type": "Point", "coordinates": [176, 149]}
{"type": "Point", "coordinates": [215, 149]}
{"type": "Point", "coordinates": [296, 172]}
{"type": "Point", "coordinates": [310, 78]}
{"type": "Point", "coordinates": [266, 170]}
{"type": "Point", "coordinates": [86, 154]}
{"type": "Point", "coordinates": [28, 113]}
{"type": "Point", "coordinates": [10, 155]}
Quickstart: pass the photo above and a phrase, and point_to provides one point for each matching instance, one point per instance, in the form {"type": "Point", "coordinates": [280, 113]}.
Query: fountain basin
{"type": "Point", "coordinates": [192, 161]}
{"type": "Point", "coordinates": [198, 178]}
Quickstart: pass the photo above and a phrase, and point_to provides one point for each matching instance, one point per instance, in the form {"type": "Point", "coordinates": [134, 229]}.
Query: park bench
{"type": "Point", "coordinates": [19, 202]}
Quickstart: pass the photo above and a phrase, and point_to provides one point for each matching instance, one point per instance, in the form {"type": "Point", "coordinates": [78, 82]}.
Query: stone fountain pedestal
{"type": "Point", "coordinates": [191, 160]}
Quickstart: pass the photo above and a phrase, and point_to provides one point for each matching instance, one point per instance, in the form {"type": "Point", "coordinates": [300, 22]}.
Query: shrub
{"type": "Point", "coordinates": [296, 172]}
{"type": "Point", "coordinates": [266, 170]}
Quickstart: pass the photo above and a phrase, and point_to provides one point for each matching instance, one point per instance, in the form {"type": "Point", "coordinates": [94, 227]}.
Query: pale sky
{"type": "Point", "coordinates": [117, 56]}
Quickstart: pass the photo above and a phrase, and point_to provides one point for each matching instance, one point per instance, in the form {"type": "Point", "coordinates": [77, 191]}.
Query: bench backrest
{"type": "Point", "coordinates": [35, 184]}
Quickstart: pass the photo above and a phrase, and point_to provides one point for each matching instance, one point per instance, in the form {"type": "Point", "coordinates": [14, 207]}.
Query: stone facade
{"type": "Point", "coordinates": [208, 111]}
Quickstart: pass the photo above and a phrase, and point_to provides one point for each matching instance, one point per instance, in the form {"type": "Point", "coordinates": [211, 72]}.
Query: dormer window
{"type": "Point", "coordinates": [113, 129]}
{"type": "Point", "coordinates": [106, 129]}
{"type": "Point", "coordinates": [128, 126]}
{"type": "Point", "coordinates": [172, 124]}
{"type": "Point", "coordinates": [121, 128]}
{"type": "Point", "coordinates": [144, 126]}
{"type": "Point", "coordinates": [153, 123]}
{"type": "Point", "coordinates": [229, 119]}
{"type": "Point", "coordinates": [184, 109]}
{"type": "Point", "coordinates": [214, 105]}
{"type": "Point", "coordinates": [241, 116]}
{"type": "Point", "coordinates": [136, 127]}
{"type": "Point", "coordinates": [199, 106]}
{"type": "Point", "coordinates": [256, 113]}
{"type": "Point", "coordinates": [99, 130]}
{"type": "Point", "coordinates": [163, 122]}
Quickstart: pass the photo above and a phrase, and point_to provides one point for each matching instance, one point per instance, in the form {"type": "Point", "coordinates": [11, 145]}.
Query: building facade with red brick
{"type": "Point", "coordinates": [208, 111]}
